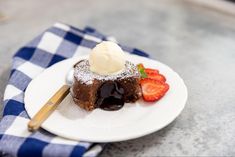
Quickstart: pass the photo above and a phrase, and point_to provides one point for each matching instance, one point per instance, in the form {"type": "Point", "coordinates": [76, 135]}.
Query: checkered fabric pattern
{"type": "Point", "coordinates": [55, 44]}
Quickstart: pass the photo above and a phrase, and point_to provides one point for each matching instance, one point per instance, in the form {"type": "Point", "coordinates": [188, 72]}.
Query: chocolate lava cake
{"type": "Point", "coordinates": [109, 92]}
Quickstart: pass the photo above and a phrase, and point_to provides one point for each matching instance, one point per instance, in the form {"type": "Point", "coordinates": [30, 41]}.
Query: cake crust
{"type": "Point", "coordinates": [86, 84]}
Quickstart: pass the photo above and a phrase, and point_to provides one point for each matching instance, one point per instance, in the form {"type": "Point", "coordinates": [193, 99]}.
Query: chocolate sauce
{"type": "Point", "coordinates": [110, 96]}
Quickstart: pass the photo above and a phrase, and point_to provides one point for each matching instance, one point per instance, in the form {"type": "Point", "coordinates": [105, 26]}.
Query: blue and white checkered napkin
{"type": "Point", "coordinates": [55, 44]}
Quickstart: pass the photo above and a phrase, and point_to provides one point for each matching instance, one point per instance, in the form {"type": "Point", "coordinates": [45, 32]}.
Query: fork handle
{"type": "Point", "coordinates": [48, 108]}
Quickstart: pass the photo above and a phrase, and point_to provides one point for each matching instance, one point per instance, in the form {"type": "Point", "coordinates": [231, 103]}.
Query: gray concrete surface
{"type": "Point", "coordinates": [196, 42]}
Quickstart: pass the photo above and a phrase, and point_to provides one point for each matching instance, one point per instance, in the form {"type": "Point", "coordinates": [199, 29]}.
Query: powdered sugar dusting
{"type": "Point", "coordinates": [82, 72]}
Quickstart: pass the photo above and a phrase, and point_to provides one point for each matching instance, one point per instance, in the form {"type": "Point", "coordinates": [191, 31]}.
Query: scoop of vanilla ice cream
{"type": "Point", "coordinates": [107, 58]}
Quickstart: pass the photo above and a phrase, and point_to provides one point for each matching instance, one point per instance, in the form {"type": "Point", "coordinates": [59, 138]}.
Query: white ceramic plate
{"type": "Point", "coordinates": [132, 121]}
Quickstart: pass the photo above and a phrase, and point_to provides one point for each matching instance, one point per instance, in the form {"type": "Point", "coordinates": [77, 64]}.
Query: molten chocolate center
{"type": "Point", "coordinates": [110, 96]}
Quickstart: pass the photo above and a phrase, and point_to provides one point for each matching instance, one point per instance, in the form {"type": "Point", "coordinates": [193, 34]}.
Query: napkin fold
{"type": "Point", "coordinates": [57, 43]}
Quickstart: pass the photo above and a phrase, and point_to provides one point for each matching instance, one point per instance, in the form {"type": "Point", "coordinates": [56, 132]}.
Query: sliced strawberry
{"type": "Point", "coordinates": [151, 71]}
{"type": "Point", "coordinates": [153, 90]}
{"type": "Point", "coordinates": [158, 77]}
